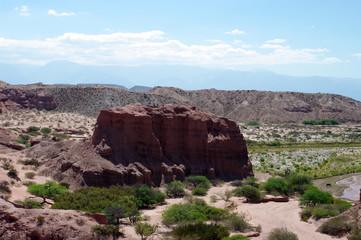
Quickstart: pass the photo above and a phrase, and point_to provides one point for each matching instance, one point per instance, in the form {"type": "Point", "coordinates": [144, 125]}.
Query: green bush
{"type": "Point", "coordinates": [336, 227]}
{"type": "Point", "coordinates": [252, 194]}
{"type": "Point", "coordinates": [174, 189]}
{"type": "Point", "coordinates": [145, 230]}
{"type": "Point", "coordinates": [60, 136]}
{"type": "Point", "coordinates": [321, 122]}
{"type": "Point", "coordinates": [201, 231]}
{"type": "Point", "coordinates": [45, 131]}
{"type": "Point", "coordinates": [236, 237]}
{"type": "Point", "coordinates": [147, 196]}
{"type": "Point", "coordinates": [32, 129]}
{"type": "Point", "coordinates": [281, 234]}
{"type": "Point", "coordinates": [252, 123]}
{"type": "Point", "coordinates": [30, 175]}
{"type": "Point", "coordinates": [299, 179]}
{"type": "Point", "coordinates": [32, 162]}
{"type": "Point", "coordinates": [29, 203]}
{"type": "Point", "coordinates": [13, 173]}
{"type": "Point", "coordinates": [277, 185]}
{"type": "Point", "coordinates": [47, 190]}
{"type": "Point", "coordinates": [252, 181]}
{"type": "Point", "coordinates": [236, 222]}
{"type": "Point", "coordinates": [4, 187]}
{"type": "Point", "coordinates": [199, 191]}
{"type": "Point", "coordinates": [180, 213]}
{"type": "Point", "coordinates": [106, 231]}
{"type": "Point", "coordinates": [313, 197]}
{"type": "Point", "coordinates": [237, 183]}
{"type": "Point", "coordinates": [325, 210]}
{"type": "Point", "coordinates": [199, 181]}
{"type": "Point", "coordinates": [94, 199]}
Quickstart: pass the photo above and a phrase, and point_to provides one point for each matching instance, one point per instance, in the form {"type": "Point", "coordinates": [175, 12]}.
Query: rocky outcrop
{"type": "Point", "coordinates": [6, 141]}
{"type": "Point", "coordinates": [20, 223]}
{"type": "Point", "coordinates": [153, 145]}
{"type": "Point", "coordinates": [171, 141]}
{"type": "Point", "coordinates": [14, 99]}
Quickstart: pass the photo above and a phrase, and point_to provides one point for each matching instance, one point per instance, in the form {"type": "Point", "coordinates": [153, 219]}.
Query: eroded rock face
{"type": "Point", "coordinates": [169, 142]}
{"type": "Point", "coordinates": [20, 223]}
{"type": "Point", "coordinates": [137, 144]}
{"type": "Point", "coordinates": [13, 99]}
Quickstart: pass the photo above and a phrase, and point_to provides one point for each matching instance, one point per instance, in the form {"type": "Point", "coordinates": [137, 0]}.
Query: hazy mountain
{"type": "Point", "coordinates": [185, 77]}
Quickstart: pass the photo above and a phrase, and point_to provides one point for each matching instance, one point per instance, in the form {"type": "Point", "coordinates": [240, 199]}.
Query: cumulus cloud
{"type": "Point", "coordinates": [152, 47]}
{"type": "Point", "coordinates": [23, 10]}
{"type": "Point", "coordinates": [277, 40]}
{"type": "Point", "coordinates": [54, 13]}
{"type": "Point", "coordinates": [236, 32]}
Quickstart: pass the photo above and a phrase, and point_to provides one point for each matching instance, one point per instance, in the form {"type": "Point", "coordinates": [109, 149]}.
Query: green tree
{"type": "Point", "coordinates": [47, 190]}
{"type": "Point", "coordinates": [199, 181]}
{"type": "Point", "coordinates": [315, 196]}
{"type": "Point", "coordinates": [145, 230]}
{"type": "Point", "coordinates": [252, 194]}
{"type": "Point", "coordinates": [278, 185]}
{"type": "Point", "coordinates": [115, 211]}
{"type": "Point", "coordinates": [174, 189]}
{"type": "Point", "coordinates": [146, 196]}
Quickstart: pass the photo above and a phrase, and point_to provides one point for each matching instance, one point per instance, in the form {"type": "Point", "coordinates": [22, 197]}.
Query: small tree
{"type": "Point", "coordinates": [199, 181]}
{"type": "Point", "coordinates": [175, 189]}
{"type": "Point", "coordinates": [315, 196]}
{"type": "Point", "coordinates": [47, 190]}
{"type": "Point", "coordinates": [252, 194]}
{"type": "Point", "coordinates": [115, 211]}
{"type": "Point", "coordinates": [276, 185]}
{"type": "Point", "coordinates": [145, 230]}
{"type": "Point", "coordinates": [146, 196]}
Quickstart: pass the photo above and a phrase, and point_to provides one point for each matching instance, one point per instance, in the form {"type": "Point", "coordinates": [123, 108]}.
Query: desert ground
{"type": "Point", "coordinates": [266, 162]}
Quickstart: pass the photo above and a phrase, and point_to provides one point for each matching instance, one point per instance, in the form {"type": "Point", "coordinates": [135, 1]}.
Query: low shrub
{"type": "Point", "coordinates": [30, 175]}
{"type": "Point", "coordinates": [175, 189]}
{"type": "Point", "coordinates": [325, 210]}
{"type": "Point", "coordinates": [237, 222]}
{"type": "Point", "coordinates": [13, 173]}
{"type": "Point", "coordinates": [201, 231]}
{"type": "Point", "coordinates": [107, 231]}
{"type": "Point", "coordinates": [32, 162]}
{"type": "Point", "coordinates": [252, 181]}
{"type": "Point", "coordinates": [252, 194]}
{"type": "Point", "coordinates": [336, 227]}
{"type": "Point", "coordinates": [236, 237]}
{"type": "Point", "coordinates": [4, 187]}
{"type": "Point", "coordinates": [146, 196]}
{"type": "Point", "coordinates": [281, 234]}
{"type": "Point", "coordinates": [145, 230]}
{"type": "Point", "coordinates": [253, 123]}
{"type": "Point", "coordinates": [199, 181]}
{"type": "Point", "coordinates": [32, 129]}
{"type": "Point", "coordinates": [199, 191]}
{"type": "Point", "coordinates": [29, 203]}
{"type": "Point", "coordinates": [315, 196]}
{"type": "Point", "coordinates": [237, 183]}
{"type": "Point", "coordinates": [180, 213]}
{"type": "Point", "coordinates": [45, 131]}
{"type": "Point", "coordinates": [40, 219]}
{"type": "Point", "coordinates": [94, 199]}
{"type": "Point", "coordinates": [276, 185]}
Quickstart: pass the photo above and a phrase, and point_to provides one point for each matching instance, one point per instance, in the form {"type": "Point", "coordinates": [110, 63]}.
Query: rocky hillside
{"type": "Point", "coordinates": [240, 106]}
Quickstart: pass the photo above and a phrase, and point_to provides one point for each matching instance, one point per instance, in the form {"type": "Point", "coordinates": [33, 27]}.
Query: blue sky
{"type": "Point", "coordinates": [303, 38]}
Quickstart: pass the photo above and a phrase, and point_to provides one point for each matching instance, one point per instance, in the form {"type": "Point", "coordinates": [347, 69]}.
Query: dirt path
{"type": "Point", "coordinates": [275, 215]}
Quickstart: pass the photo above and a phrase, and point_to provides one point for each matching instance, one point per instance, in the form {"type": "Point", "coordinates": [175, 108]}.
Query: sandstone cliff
{"type": "Point", "coordinates": [153, 145]}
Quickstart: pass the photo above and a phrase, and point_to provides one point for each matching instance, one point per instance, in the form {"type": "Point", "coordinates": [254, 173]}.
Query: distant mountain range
{"type": "Point", "coordinates": [185, 77]}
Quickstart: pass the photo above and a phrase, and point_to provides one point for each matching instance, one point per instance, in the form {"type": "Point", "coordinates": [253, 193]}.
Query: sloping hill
{"type": "Point", "coordinates": [240, 106]}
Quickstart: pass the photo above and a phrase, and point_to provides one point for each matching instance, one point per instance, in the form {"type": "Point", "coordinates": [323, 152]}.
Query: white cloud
{"type": "Point", "coordinates": [152, 47]}
{"type": "Point", "coordinates": [274, 46]}
{"type": "Point", "coordinates": [54, 13]}
{"type": "Point", "coordinates": [357, 55]}
{"type": "Point", "coordinates": [236, 32]}
{"type": "Point", "coordinates": [214, 41]}
{"type": "Point", "coordinates": [277, 40]}
{"type": "Point", "coordinates": [23, 10]}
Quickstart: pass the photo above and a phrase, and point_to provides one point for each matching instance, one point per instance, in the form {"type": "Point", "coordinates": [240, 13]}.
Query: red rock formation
{"type": "Point", "coordinates": [170, 142]}
{"type": "Point", "coordinates": [13, 99]}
